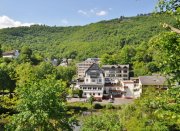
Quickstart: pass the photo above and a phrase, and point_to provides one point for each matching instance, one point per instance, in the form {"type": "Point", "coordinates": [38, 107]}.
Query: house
{"type": "Point", "coordinates": [115, 73]}
{"type": "Point", "coordinates": [131, 88]}
{"type": "Point", "coordinates": [83, 66]}
{"type": "Point", "coordinates": [11, 54]}
{"type": "Point", "coordinates": [112, 90]}
{"type": "Point", "coordinates": [134, 87]}
{"type": "Point", "coordinates": [157, 81]}
{"type": "Point", "coordinates": [93, 84]}
{"type": "Point", "coordinates": [65, 62]}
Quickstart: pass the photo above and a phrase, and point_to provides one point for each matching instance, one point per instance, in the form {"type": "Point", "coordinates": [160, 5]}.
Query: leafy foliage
{"type": "Point", "coordinates": [155, 110]}
{"type": "Point", "coordinates": [106, 121]}
{"type": "Point", "coordinates": [41, 106]}
{"type": "Point", "coordinates": [92, 40]}
{"type": "Point", "coordinates": [165, 48]}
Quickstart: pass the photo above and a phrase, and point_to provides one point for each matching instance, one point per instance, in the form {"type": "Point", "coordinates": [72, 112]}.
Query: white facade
{"type": "Point", "coordinates": [115, 73]}
{"type": "Point", "coordinates": [93, 84]}
{"type": "Point", "coordinates": [95, 91]}
{"type": "Point", "coordinates": [131, 89]}
{"type": "Point", "coordinates": [11, 54]}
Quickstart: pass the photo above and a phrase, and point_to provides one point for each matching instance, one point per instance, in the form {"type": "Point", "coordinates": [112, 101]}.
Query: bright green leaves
{"type": "Point", "coordinates": [106, 121]}
{"type": "Point", "coordinates": [41, 106]}
{"type": "Point", "coordinates": [166, 49]}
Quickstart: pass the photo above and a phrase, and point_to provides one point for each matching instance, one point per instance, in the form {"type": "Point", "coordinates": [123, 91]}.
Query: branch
{"type": "Point", "coordinates": [172, 28]}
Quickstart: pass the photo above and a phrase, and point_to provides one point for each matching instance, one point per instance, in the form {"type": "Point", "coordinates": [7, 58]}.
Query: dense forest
{"type": "Point", "coordinates": [33, 91]}
{"type": "Point", "coordinates": [92, 40]}
{"type": "Point", "coordinates": [124, 40]}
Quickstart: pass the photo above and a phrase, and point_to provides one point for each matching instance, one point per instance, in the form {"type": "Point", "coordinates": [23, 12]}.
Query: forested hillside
{"type": "Point", "coordinates": [80, 42]}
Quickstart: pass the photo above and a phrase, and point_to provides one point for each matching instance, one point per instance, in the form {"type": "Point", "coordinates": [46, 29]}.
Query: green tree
{"type": "Point", "coordinates": [65, 73]}
{"type": "Point", "coordinates": [166, 53]}
{"type": "Point", "coordinates": [41, 106]}
{"type": "Point", "coordinates": [0, 51]}
{"type": "Point", "coordinates": [24, 73]}
{"type": "Point", "coordinates": [105, 121]}
{"type": "Point", "coordinates": [108, 59]}
{"type": "Point", "coordinates": [4, 80]}
{"type": "Point", "coordinates": [171, 7]}
{"type": "Point", "coordinates": [126, 54]}
{"type": "Point", "coordinates": [25, 55]}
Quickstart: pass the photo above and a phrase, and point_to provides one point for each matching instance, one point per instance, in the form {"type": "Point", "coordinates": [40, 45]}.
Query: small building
{"type": "Point", "coordinates": [135, 87]}
{"type": "Point", "coordinates": [115, 73]}
{"type": "Point", "coordinates": [113, 90]}
{"type": "Point", "coordinates": [65, 62]}
{"type": "Point", "coordinates": [131, 89]}
{"type": "Point", "coordinates": [93, 84]}
{"type": "Point", "coordinates": [157, 81]}
{"type": "Point", "coordinates": [11, 54]}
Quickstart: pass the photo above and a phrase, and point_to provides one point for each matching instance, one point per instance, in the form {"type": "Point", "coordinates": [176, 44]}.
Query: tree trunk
{"type": "Point", "coordinates": [172, 28]}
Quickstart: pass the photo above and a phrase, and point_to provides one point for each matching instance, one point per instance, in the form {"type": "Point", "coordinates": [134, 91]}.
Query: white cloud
{"type": "Point", "coordinates": [82, 12]}
{"type": "Point", "coordinates": [6, 22]}
{"type": "Point", "coordinates": [93, 12]}
{"type": "Point", "coordinates": [64, 22]}
{"type": "Point", "coordinates": [101, 13]}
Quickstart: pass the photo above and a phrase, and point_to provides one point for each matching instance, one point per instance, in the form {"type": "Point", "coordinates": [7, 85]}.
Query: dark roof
{"type": "Point", "coordinates": [152, 80]}
{"type": "Point", "coordinates": [94, 66]}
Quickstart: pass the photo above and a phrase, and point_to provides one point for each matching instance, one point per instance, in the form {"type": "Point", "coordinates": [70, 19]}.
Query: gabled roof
{"type": "Point", "coordinates": [152, 80]}
{"type": "Point", "coordinates": [94, 66]}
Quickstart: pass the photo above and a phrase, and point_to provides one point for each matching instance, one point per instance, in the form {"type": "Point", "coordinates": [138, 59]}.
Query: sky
{"type": "Point", "coordinates": [14, 13]}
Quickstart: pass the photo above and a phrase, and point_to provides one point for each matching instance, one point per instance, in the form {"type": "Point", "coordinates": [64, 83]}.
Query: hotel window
{"type": "Point", "coordinates": [85, 94]}
{"type": "Point", "coordinates": [124, 75]}
{"type": "Point", "coordinates": [100, 80]}
{"type": "Point", "coordinates": [94, 88]}
{"type": "Point", "coordinates": [125, 71]}
{"type": "Point", "coordinates": [99, 88]}
{"type": "Point", "coordinates": [92, 80]}
{"type": "Point", "coordinates": [98, 94]}
{"type": "Point", "coordinates": [93, 94]}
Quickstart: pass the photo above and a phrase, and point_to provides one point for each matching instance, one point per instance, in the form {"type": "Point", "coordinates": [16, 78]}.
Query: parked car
{"type": "Point", "coordinates": [111, 100]}
{"type": "Point", "coordinates": [75, 96]}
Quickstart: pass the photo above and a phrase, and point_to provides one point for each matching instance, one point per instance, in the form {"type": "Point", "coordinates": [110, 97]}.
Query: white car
{"type": "Point", "coordinates": [111, 100]}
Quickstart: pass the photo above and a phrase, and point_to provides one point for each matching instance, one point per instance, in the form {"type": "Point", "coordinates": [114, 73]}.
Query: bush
{"type": "Point", "coordinates": [97, 106]}
{"type": "Point", "coordinates": [109, 106]}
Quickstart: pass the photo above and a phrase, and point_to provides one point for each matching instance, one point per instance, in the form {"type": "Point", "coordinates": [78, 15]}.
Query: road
{"type": "Point", "coordinates": [117, 101]}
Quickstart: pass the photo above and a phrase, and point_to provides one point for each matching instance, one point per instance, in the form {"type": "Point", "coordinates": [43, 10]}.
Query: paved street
{"type": "Point", "coordinates": [117, 101]}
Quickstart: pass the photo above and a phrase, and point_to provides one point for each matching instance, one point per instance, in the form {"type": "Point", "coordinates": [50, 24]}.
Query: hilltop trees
{"type": "Point", "coordinates": [93, 40]}
{"type": "Point", "coordinates": [25, 55]}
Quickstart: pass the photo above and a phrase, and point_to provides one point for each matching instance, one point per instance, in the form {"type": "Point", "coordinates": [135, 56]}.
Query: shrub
{"type": "Point", "coordinates": [109, 106]}
{"type": "Point", "coordinates": [97, 106]}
